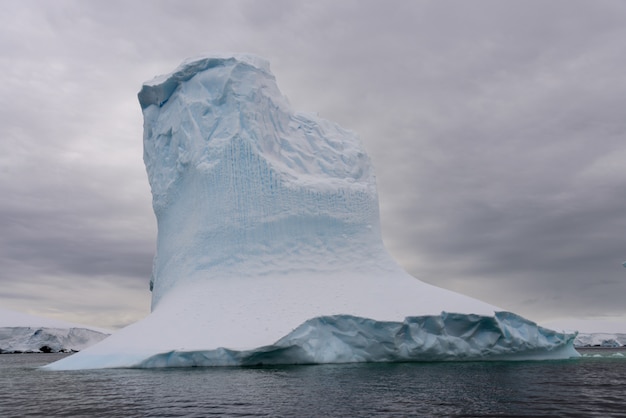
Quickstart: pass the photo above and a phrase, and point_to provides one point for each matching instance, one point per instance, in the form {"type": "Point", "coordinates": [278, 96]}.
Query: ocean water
{"type": "Point", "coordinates": [594, 385]}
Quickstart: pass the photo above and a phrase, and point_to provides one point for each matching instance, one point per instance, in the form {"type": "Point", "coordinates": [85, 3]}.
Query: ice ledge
{"type": "Point", "coordinates": [352, 339]}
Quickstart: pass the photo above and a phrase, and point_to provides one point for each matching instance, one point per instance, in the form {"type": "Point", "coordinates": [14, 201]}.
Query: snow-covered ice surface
{"type": "Point", "coordinates": [269, 247]}
{"type": "Point", "coordinates": [21, 332]}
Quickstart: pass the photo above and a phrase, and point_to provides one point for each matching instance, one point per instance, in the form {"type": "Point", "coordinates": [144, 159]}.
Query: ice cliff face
{"type": "Point", "coordinates": [269, 247]}
{"type": "Point", "coordinates": [238, 178]}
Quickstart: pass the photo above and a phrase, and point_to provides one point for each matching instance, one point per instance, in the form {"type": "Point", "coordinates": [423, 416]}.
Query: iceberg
{"type": "Point", "coordinates": [269, 249]}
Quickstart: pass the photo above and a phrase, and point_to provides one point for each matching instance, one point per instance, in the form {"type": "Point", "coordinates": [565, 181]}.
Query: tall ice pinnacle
{"type": "Point", "coordinates": [269, 248]}
{"type": "Point", "coordinates": [244, 186]}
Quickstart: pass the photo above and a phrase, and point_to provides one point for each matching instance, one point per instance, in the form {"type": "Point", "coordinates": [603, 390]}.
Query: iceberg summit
{"type": "Point", "coordinates": [269, 248]}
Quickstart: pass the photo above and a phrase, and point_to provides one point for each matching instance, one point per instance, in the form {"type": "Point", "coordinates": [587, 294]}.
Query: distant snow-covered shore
{"type": "Point", "coordinates": [23, 333]}
{"type": "Point", "coordinates": [600, 339]}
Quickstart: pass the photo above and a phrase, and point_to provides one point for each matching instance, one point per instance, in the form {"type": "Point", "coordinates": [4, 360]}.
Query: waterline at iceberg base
{"type": "Point", "coordinates": [349, 339]}
{"type": "Point", "coordinates": [269, 248]}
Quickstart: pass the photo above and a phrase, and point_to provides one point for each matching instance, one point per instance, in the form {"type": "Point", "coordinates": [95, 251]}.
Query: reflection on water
{"type": "Point", "coordinates": [589, 386]}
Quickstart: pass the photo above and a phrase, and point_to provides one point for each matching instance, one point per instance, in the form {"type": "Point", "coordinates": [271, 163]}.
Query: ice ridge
{"type": "Point", "coordinates": [350, 339]}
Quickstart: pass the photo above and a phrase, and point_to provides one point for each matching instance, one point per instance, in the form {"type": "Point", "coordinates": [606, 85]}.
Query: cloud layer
{"type": "Point", "coordinates": [497, 131]}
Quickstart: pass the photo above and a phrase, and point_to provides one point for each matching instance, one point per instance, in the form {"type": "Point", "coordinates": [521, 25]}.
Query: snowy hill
{"type": "Point", "coordinates": [269, 247]}
{"type": "Point", "coordinates": [21, 332]}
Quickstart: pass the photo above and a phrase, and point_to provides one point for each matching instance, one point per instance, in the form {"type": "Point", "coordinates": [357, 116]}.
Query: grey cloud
{"type": "Point", "coordinates": [496, 130]}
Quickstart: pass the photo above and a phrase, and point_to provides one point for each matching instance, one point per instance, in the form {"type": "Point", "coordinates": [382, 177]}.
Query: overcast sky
{"type": "Point", "coordinates": [497, 130]}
